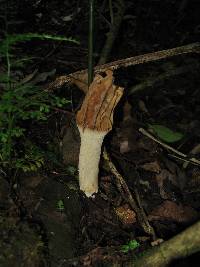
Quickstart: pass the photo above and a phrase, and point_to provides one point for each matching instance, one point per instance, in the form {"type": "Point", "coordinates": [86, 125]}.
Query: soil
{"type": "Point", "coordinates": [44, 219]}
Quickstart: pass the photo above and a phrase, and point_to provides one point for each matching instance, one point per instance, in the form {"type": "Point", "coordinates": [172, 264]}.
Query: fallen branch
{"type": "Point", "coordinates": [80, 77]}
{"type": "Point", "coordinates": [180, 246]}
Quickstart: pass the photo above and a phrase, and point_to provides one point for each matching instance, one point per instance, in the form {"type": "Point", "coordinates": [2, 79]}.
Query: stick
{"type": "Point", "coordinates": [131, 61]}
{"type": "Point", "coordinates": [191, 160]}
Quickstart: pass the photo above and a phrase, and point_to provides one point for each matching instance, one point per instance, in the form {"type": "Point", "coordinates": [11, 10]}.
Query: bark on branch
{"type": "Point", "coordinates": [180, 246]}
{"type": "Point", "coordinates": [80, 77]}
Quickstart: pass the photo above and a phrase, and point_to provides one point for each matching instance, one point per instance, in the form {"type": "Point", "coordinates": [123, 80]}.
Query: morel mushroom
{"type": "Point", "coordinates": [94, 120]}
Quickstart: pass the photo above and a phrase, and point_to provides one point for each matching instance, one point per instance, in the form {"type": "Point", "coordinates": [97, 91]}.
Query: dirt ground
{"type": "Point", "coordinates": [44, 219]}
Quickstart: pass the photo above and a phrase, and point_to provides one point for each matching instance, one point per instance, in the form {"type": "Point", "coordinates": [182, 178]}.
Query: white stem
{"type": "Point", "coordinates": [90, 151]}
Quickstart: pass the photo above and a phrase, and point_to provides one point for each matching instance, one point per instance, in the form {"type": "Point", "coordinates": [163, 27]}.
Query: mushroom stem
{"type": "Point", "coordinates": [90, 151]}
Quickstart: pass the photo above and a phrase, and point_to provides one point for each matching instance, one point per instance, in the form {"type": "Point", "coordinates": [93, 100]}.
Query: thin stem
{"type": "Point", "coordinates": [8, 62]}
{"type": "Point", "coordinates": [91, 41]}
{"type": "Point", "coordinates": [10, 115]}
{"type": "Point", "coordinates": [191, 160]}
{"type": "Point", "coordinates": [111, 12]}
{"type": "Point", "coordinates": [9, 144]}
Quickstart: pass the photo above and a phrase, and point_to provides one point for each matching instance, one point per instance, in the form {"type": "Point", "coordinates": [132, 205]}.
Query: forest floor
{"type": "Point", "coordinates": [44, 219]}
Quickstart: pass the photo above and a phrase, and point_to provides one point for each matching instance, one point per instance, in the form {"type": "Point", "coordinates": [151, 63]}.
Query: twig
{"type": "Point", "coordinates": [62, 111]}
{"type": "Point", "coordinates": [141, 59]}
{"type": "Point", "coordinates": [111, 11]}
{"type": "Point", "coordinates": [191, 160]}
{"type": "Point", "coordinates": [124, 190]}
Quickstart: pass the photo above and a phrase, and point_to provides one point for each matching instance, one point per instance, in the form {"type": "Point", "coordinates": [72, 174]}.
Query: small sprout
{"type": "Point", "coordinates": [131, 245]}
{"type": "Point", "coordinates": [125, 248]}
{"type": "Point", "coordinates": [71, 170]}
{"type": "Point", "coordinates": [60, 205]}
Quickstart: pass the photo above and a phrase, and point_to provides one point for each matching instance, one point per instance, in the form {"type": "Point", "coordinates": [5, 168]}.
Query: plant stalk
{"type": "Point", "coordinates": [91, 41]}
{"type": "Point", "coordinates": [10, 115]}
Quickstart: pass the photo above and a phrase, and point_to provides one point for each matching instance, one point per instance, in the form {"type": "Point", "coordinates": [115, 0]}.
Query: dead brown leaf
{"type": "Point", "coordinates": [29, 77]}
{"type": "Point", "coordinates": [32, 181]}
{"type": "Point", "coordinates": [98, 255]}
{"type": "Point", "coordinates": [157, 242]}
{"type": "Point", "coordinates": [42, 77]}
{"type": "Point", "coordinates": [160, 179]}
{"type": "Point", "coordinates": [151, 167]}
{"type": "Point", "coordinates": [172, 211]}
{"type": "Point", "coordinates": [125, 214]}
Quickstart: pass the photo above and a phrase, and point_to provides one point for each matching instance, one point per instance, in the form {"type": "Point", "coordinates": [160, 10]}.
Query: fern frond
{"type": "Point", "coordinates": [10, 40]}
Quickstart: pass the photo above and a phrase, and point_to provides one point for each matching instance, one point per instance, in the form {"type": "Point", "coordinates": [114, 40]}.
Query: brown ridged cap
{"type": "Point", "coordinates": [100, 101]}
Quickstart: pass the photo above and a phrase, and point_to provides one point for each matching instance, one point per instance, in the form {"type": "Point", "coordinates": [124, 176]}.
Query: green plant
{"type": "Point", "coordinates": [60, 205]}
{"type": "Point", "coordinates": [19, 104]}
{"type": "Point", "coordinates": [166, 134]}
{"type": "Point", "coordinates": [131, 245]}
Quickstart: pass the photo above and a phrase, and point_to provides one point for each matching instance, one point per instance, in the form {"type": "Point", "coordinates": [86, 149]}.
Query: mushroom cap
{"type": "Point", "coordinates": [98, 106]}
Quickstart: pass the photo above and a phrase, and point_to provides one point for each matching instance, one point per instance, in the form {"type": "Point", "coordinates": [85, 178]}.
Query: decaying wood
{"type": "Point", "coordinates": [81, 76]}
{"type": "Point", "coordinates": [99, 103]}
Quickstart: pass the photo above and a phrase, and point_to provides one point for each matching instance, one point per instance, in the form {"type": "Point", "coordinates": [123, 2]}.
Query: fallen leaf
{"type": "Point", "coordinates": [165, 133]}
{"type": "Point", "coordinates": [151, 166]}
{"type": "Point", "coordinates": [70, 17]}
{"type": "Point", "coordinates": [67, 18]}
{"type": "Point", "coordinates": [124, 147]}
{"type": "Point", "coordinates": [171, 211]}
{"type": "Point", "coordinates": [160, 179]}
{"type": "Point", "coordinates": [32, 182]}
{"type": "Point", "coordinates": [126, 135]}
{"type": "Point", "coordinates": [42, 77]}
{"type": "Point", "coordinates": [157, 242]}
{"type": "Point", "coordinates": [29, 77]}
{"type": "Point", "coordinates": [125, 214]}
{"type": "Point", "coordinates": [142, 106]}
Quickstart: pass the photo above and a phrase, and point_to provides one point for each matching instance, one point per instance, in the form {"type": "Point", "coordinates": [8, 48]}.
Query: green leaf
{"type": "Point", "coordinates": [165, 133]}
{"type": "Point", "coordinates": [4, 137]}
{"type": "Point", "coordinates": [60, 205]}
{"type": "Point", "coordinates": [71, 170]}
{"type": "Point", "coordinates": [133, 244]}
{"type": "Point", "coordinates": [10, 40]}
{"type": "Point", "coordinates": [125, 248]}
